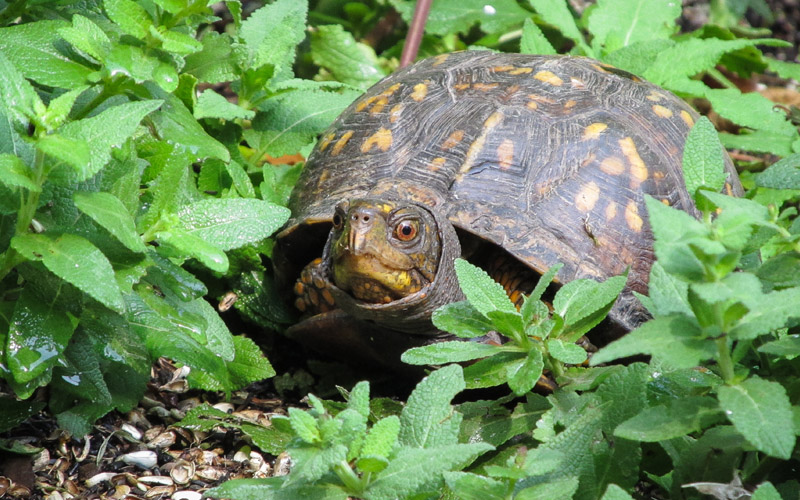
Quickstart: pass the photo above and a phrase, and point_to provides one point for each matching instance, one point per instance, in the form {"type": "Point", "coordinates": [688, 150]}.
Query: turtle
{"type": "Point", "coordinates": [515, 162]}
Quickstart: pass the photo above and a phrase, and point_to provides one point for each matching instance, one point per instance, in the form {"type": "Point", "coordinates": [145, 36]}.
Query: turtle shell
{"type": "Point", "coordinates": [547, 157]}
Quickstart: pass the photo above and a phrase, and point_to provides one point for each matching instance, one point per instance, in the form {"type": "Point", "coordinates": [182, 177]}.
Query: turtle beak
{"type": "Point", "coordinates": [362, 222]}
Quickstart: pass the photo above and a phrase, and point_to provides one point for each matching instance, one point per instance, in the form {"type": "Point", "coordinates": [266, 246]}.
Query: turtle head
{"type": "Point", "coordinates": [382, 251]}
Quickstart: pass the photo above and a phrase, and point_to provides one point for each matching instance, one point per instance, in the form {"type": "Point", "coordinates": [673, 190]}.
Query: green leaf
{"type": "Point", "coordinates": [349, 61]}
{"type": "Point", "coordinates": [768, 312]}
{"type": "Point", "coordinates": [107, 130]}
{"type": "Point", "coordinates": [420, 469]}
{"type": "Point", "coordinates": [637, 57]}
{"type": "Point", "coordinates": [783, 174]}
{"type": "Point", "coordinates": [703, 164]}
{"type": "Point", "coordinates": [233, 222]}
{"type": "Point", "coordinates": [382, 437]}
{"type": "Point", "coordinates": [38, 334]}
{"type": "Point", "coordinates": [668, 293]}
{"type": "Point", "coordinates": [761, 411]}
{"type": "Point", "coordinates": [562, 488]}
{"type": "Point", "coordinates": [74, 152]}
{"type": "Point", "coordinates": [273, 488]}
{"type": "Point", "coordinates": [13, 412]}
{"type": "Point", "coordinates": [673, 340]}
{"type": "Point", "coordinates": [304, 425]}
{"type": "Point", "coordinates": [190, 245]}
{"type": "Point", "coordinates": [787, 346]}
{"type": "Point", "coordinates": [462, 320]}
{"type": "Point", "coordinates": [213, 64]}
{"type": "Point", "coordinates": [174, 41]}
{"type": "Point", "coordinates": [18, 95]}
{"type": "Point", "coordinates": [614, 492]}
{"type": "Point", "coordinates": [522, 377]}
{"type": "Point", "coordinates": [14, 173]}
{"type": "Point", "coordinates": [566, 352]}
{"type": "Point", "coordinates": [674, 230]}
{"type": "Point", "coordinates": [428, 420]}
{"type": "Point", "coordinates": [449, 16]}
{"type": "Point", "coordinates": [469, 486]}
{"type": "Point", "coordinates": [750, 110]}
{"type": "Point", "coordinates": [271, 33]}
{"type": "Point", "coordinates": [766, 491]}
{"type": "Point", "coordinates": [75, 260]}
{"type": "Point", "coordinates": [454, 351]}
{"type": "Point", "coordinates": [617, 23]}
{"type": "Point", "coordinates": [33, 48]}
{"type": "Point", "coordinates": [482, 291]}
{"type": "Point", "coordinates": [87, 37]}
{"type": "Point", "coordinates": [212, 105]}
{"type": "Point", "coordinates": [109, 212]}
{"type": "Point", "coordinates": [58, 109]}
{"type": "Point", "coordinates": [679, 418]}
{"type": "Point", "coordinates": [761, 141]}
{"type": "Point", "coordinates": [494, 370]}
{"type": "Point", "coordinates": [584, 303]}
{"type": "Point", "coordinates": [557, 13]}
{"type": "Point", "coordinates": [533, 40]}
{"type": "Point", "coordinates": [784, 69]}
{"type": "Point", "coordinates": [129, 16]}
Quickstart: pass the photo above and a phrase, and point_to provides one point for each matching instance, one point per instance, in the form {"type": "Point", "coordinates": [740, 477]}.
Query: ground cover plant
{"type": "Point", "coordinates": [142, 150]}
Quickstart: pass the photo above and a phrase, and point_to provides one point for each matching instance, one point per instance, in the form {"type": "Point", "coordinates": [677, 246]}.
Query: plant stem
{"type": "Point", "coordinates": [349, 478]}
{"type": "Point", "coordinates": [724, 359]}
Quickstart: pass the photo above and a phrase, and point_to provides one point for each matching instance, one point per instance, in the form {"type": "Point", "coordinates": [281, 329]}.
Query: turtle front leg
{"type": "Point", "coordinates": [312, 294]}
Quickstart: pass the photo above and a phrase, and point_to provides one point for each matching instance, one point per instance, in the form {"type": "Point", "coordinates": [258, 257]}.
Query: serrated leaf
{"type": "Point", "coordinates": [750, 110]}
{"type": "Point", "coordinates": [494, 370]}
{"type": "Point", "coordinates": [13, 412]}
{"type": "Point", "coordinates": [86, 36]}
{"type": "Point", "coordinates": [33, 49]}
{"type": "Point", "coordinates": [428, 420]}
{"type": "Point", "coordinates": [450, 16]}
{"type": "Point", "coordinates": [14, 173]}
{"type": "Point", "coordinates": [562, 488]}
{"type": "Point", "coordinates": [481, 291]}
{"type": "Point", "coordinates": [304, 425]}
{"type": "Point", "coordinates": [618, 23]}
{"type": "Point", "coordinates": [679, 418]}
{"type": "Point", "coordinates": [58, 109]}
{"type": "Point", "coordinates": [533, 40]}
{"type": "Point", "coordinates": [177, 42]}
{"type": "Point", "coordinates": [462, 320]}
{"type": "Point", "coordinates": [787, 346]}
{"type": "Point", "coordinates": [584, 303]}
{"type": "Point", "coordinates": [75, 152]}
{"type": "Point", "coordinates": [271, 33]}
{"type": "Point", "coordinates": [703, 163]}
{"type": "Point", "coordinates": [667, 293]}
{"type": "Point", "coordinates": [614, 492]}
{"type": "Point", "coordinates": [190, 245]}
{"type": "Point", "coordinates": [109, 212]}
{"type": "Point", "coordinates": [474, 487]}
{"type": "Point", "coordinates": [455, 351]}
{"type": "Point", "coordinates": [106, 130]}
{"type": "Point", "coordinates": [569, 353]}
{"type": "Point", "coordinates": [274, 488]}
{"type": "Point", "coordinates": [637, 57]}
{"type": "Point", "coordinates": [761, 411]}
{"type": "Point", "coordinates": [783, 174]}
{"type": "Point", "coordinates": [349, 61]}
{"type": "Point", "coordinates": [761, 141]}
{"type": "Point", "coordinates": [674, 230]}
{"type": "Point", "coordinates": [213, 64]}
{"type": "Point", "coordinates": [766, 491]}
{"type": "Point", "coordinates": [382, 437]}
{"type": "Point", "coordinates": [233, 222]}
{"type": "Point", "coordinates": [75, 260]}
{"type": "Point", "coordinates": [673, 340]}
{"type": "Point", "coordinates": [212, 105]}
{"type": "Point", "coordinates": [522, 377]}
{"type": "Point", "coordinates": [17, 93]}
{"type": "Point", "coordinates": [129, 16]}
{"type": "Point", "coordinates": [420, 469]}
{"type": "Point", "coordinates": [557, 13]}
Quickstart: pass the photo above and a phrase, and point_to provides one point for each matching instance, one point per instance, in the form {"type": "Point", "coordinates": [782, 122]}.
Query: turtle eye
{"type": "Point", "coordinates": [406, 230]}
{"type": "Point", "coordinates": [338, 221]}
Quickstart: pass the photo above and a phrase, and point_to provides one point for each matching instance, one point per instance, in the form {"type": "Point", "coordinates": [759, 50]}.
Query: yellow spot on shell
{"type": "Point", "coordinates": [612, 165]}
{"type": "Point", "coordinates": [569, 104]}
{"type": "Point", "coordinates": [599, 68]}
{"type": "Point", "coordinates": [638, 168]}
{"type": "Point", "coordinates": [520, 71]}
{"type": "Point", "coordinates": [662, 111]}
{"type": "Point", "coordinates": [502, 69]}
{"type": "Point", "coordinates": [325, 141]}
{"type": "Point", "coordinates": [658, 175]}
{"type": "Point", "coordinates": [477, 145]}
{"type": "Point", "coordinates": [611, 211]}
{"type": "Point", "coordinates": [366, 102]}
{"type": "Point", "coordinates": [436, 164]}
{"type": "Point", "coordinates": [440, 59]}
{"type": "Point", "coordinates": [420, 91]}
{"type": "Point", "coordinates": [532, 105]}
{"type": "Point", "coordinates": [548, 77]}
{"type": "Point", "coordinates": [337, 148]}
{"type": "Point", "coordinates": [632, 217]}
{"type": "Point", "coordinates": [382, 139]}
{"type": "Point", "coordinates": [594, 130]}
{"type": "Point", "coordinates": [391, 90]}
{"type": "Point", "coordinates": [461, 86]}
{"type": "Point", "coordinates": [453, 139]}
{"type": "Point", "coordinates": [483, 87]}
{"type": "Point", "coordinates": [379, 105]}
{"type": "Point", "coordinates": [687, 118]}
{"type": "Point", "coordinates": [665, 202]}
{"type": "Point", "coordinates": [505, 154]}
{"type": "Point", "coordinates": [395, 112]}
{"type": "Point", "coordinates": [587, 197]}
{"type": "Point", "coordinates": [654, 96]}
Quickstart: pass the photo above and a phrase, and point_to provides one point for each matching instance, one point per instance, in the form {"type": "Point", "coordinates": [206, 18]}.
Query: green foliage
{"type": "Point", "coordinates": [350, 453]}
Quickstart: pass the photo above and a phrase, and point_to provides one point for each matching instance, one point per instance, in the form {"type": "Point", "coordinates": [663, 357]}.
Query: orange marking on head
{"type": "Point", "coordinates": [612, 165]}
{"type": "Point", "coordinates": [382, 139]}
{"type": "Point", "coordinates": [337, 148]}
{"type": "Point", "coordinates": [632, 217]}
{"type": "Point", "coordinates": [549, 77]}
{"type": "Point", "coordinates": [453, 139]}
{"type": "Point", "coordinates": [520, 71]}
{"type": "Point", "coordinates": [420, 91]}
{"type": "Point", "coordinates": [638, 168]}
{"type": "Point", "coordinates": [687, 118]}
{"type": "Point", "coordinates": [587, 197]}
{"type": "Point", "coordinates": [662, 111]}
{"type": "Point", "coordinates": [505, 154]}
{"type": "Point", "coordinates": [394, 113]}
{"type": "Point", "coordinates": [593, 131]}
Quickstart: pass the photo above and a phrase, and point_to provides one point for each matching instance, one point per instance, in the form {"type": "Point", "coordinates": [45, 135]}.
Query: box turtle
{"type": "Point", "coordinates": [515, 162]}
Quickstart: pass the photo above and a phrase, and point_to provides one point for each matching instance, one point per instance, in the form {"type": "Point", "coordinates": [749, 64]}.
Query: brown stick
{"type": "Point", "coordinates": [415, 32]}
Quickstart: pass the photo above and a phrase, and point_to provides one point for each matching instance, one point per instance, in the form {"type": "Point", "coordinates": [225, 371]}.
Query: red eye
{"type": "Point", "coordinates": [338, 221]}
{"type": "Point", "coordinates": [406, 230]}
